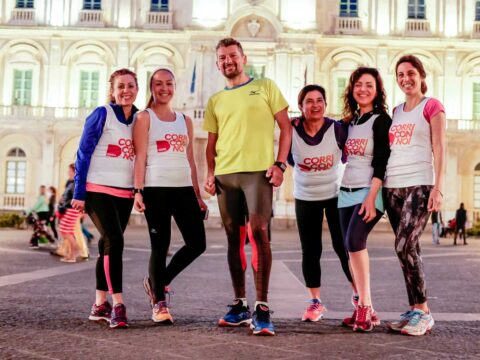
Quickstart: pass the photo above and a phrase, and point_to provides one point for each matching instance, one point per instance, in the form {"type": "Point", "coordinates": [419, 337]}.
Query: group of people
{"type": "Point", "coordinates": [457, 226]}
{"type": "Point", "coordinates": [144, 159]}
{"type": "Point", "coordinates": [73, 233]}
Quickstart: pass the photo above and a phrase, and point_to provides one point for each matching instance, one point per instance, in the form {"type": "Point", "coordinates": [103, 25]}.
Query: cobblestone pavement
{"type": "Point", "coordinates": [44, 305]}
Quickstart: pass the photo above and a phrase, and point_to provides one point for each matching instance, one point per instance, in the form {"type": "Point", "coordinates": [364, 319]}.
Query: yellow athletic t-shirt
{"type": "Point", "coordinates": [243, 119]}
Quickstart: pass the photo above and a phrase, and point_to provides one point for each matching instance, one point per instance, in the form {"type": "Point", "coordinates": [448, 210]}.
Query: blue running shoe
{"type": "Point", "coordinates": [238, 315]}
{"type": "Point", "coordinates": [261, 323]}
{"type": "Point", "coordinates": [397, 326]}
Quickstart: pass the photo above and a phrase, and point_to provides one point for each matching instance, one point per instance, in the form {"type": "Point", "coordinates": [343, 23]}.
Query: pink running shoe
{"type": "Point", "coordinates": [363, 321]}
{"type": "Point", "coordinates": [315, 311]}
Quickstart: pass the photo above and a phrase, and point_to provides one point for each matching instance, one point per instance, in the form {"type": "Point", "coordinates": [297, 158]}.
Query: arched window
{"type": "Point", "coordinates": [16, 171]}
{"type": "Point", "coordinates": [416, 9]}
{"type": "Point", "coordinates": [476, 187]}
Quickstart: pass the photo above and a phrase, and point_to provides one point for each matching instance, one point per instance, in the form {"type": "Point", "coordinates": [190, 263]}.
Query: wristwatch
{"type": "Point", "coordinates": [137, 191]}
{"type": "Point", "coordinates": [281, 165]}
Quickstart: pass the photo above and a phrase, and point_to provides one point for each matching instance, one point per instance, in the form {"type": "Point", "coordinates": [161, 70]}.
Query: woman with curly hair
{"type": "Point", "coordinates": [360, 199]}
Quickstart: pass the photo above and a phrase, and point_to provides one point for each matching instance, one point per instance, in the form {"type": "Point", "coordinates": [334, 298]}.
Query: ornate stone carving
{"type": "Point", "coordinates": [253, 27]}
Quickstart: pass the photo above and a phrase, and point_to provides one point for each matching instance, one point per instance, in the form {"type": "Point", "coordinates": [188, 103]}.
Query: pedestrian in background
{"type": "Point", "coordinates": [460, 222]}
{"type": "Point", "coordinates": [436, 227]}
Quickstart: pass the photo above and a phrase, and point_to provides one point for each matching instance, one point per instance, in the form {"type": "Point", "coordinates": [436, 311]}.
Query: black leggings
{"type": "Point", "coordinates": [161, 203]}
{"type": "Point", "coordinates": [309, 220]}
{"type": "Point", "coordinates": [233, 191]}
{"type": "Point", "coordinates": [355, 231]}
{"type": "Point", "coordinates": [110, 215]}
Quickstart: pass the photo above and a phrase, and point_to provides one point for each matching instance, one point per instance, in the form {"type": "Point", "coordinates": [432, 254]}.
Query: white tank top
{"type": "Point", "coordinates": [316, 174]}
{"type": "Point", "coordinates": [112, 160]}
{"type": "Point", "coordinates": [410, 162]}
{"type": "Point", "coordinates": [167, 162]}
{"type": "Point", "coordinates": [359, 151]}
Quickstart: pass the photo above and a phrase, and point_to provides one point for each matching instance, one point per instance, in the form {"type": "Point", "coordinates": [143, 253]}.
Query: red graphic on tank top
{"type": "Point", "coordinates": [162, 146]}
{"type": "Point", "coordinates": [178, 142]}
{"type": "Point", "coordinates": [355, 147]}
{"type": "Point", "coordinates": [320, 163]}
{"type": "Point", "coordinates": [124, 147]}
{"type": "Point", "coordinates": [401, 134]}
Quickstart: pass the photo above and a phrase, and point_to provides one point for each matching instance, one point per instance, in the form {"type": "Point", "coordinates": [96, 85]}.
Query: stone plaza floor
{"type": "Point", "coordinates": [44, 304]}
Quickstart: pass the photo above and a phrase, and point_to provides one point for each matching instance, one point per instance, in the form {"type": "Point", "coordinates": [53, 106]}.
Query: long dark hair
{"type": "Point", "coordinates": [417, 64]}
{"type": "Point", "coordinates": [150, 100]}
{"type": "Point", "coordinates": [350, 104]}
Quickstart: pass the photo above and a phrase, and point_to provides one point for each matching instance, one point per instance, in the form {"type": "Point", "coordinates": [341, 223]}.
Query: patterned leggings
{"type": "Point", "coordinates": [408, 214]}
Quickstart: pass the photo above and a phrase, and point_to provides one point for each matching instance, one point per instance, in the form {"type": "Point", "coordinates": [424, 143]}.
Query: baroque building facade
{"type": "Point", "coordinates": [56, 56]}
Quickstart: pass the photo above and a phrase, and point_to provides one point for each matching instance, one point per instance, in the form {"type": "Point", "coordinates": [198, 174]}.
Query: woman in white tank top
{"type": "Point", "coordinates": [166, 185]}
{"type": "Point", "coordinates": [413, 184]}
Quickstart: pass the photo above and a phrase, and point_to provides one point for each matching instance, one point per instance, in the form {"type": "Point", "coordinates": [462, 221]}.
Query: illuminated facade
{"type": "Point", "coordinates": [56, 55]}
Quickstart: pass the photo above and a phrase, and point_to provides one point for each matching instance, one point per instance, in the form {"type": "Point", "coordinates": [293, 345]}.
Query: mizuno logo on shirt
{"type": "Point", "coordinates": [254, 92]}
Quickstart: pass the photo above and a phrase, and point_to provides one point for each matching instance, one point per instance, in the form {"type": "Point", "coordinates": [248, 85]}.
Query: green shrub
{"type": "Point", "coordinates": [11, 220]}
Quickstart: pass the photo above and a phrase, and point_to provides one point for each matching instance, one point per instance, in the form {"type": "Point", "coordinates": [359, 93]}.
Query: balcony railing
{"type": "Point", "coordinates": [39, 112]}
{"type": "Point", "coordinates": [455, 125]}
{"type": "Point", "coordinates": [476, 29]}
{"type": "Point", "coordinates": [158, 20]}
{"type": "Point", "coordinates": [13, 202]}
{"type": "Point", "coordinates": [91, 18]}
{"type": "Point", "coordinates": [23, 17]}
{"type": "Point", "coordinates": [417, 27]}
{"type": "Point", "coordinates": [348, 25]}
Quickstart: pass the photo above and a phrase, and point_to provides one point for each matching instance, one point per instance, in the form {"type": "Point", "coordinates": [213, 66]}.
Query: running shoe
{"type": "Point", "coordinates": [101, 312]}
{"type": "Point", "coordinates": [363, 320]}
{"type": "Point", "coordinates": [261, 323]}
{"type": "Point", "coordinates": [147, 285]}
{"type": "Point", "coordinates": [161, 314]}
{"type": "Point", "coordinates": [399, 325]}
{"type": "Point", "coordinates": [419, 324]}
{"type": "Point", "coordinates": [119, 317]}
{"type": "Point", "coordinates": [315, 311]}
{"type": "Point", "coordinates": [238, 315]}
{"type": "Point", "coordinates": [350, 321]}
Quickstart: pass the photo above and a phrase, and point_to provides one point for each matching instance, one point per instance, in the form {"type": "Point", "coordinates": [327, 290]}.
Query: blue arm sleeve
{"type": "Point", "coordinates": [92, 132]}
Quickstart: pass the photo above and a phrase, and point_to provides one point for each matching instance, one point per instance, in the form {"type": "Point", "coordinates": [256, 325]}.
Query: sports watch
{"type": "Point", "coordinates": [281, 165]}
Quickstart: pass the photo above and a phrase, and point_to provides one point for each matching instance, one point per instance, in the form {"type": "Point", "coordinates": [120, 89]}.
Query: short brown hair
{"type": "Point", "coordinates": [226, 42]}
{"type": "Point", "coordinates": [308, 88]}
{"type": "Point", "coordinates": [417, 64]}
{"type": "Point", "coordinates": [114, 75]}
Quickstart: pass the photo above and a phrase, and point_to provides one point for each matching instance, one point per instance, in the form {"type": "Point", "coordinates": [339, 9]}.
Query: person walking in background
{"type": "Point", "coordinates": [69, 217]}
{"type": "Point", "coordinates": [436, 227]}
{"type": "Point", "coordinates": [316, 152]}
{"type": "Point", "coordinates": [103, 188]}
{"type": "Point", "coordinates": [413, 188]}
{"type": "Point", "coordinates": [40, 215]}
{"type": "Point", "coordinates": [360, 199]}
{"type": "Point", "coordinates": [240, 121]}
{"type": "Point", "coordinates": [52, 218]}
{"type": "Point", "coordinates": [460, 221]}
{"type": "Point", "coordinates": [166, 185]}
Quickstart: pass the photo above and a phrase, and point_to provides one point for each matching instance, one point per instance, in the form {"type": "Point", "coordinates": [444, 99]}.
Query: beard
{"type": "Point", "coordinates": [232, 74]}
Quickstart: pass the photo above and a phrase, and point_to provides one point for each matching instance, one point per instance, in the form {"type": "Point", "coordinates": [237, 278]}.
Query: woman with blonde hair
{"type": "Point", "coordinates": [103, 188]}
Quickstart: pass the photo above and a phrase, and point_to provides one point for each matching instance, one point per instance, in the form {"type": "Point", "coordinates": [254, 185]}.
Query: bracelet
{"type": "Point", "coordinates": [439, 192]}
{"type": "Point", "coordinates": [137, 191]}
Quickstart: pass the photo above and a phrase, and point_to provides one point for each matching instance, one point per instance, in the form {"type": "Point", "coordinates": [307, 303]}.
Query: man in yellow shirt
{"type": "Point", "coordinates": [240, 121]}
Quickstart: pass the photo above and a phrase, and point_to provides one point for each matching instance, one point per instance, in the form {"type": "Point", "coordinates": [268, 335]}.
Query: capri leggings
{"type": "Point", "coordinates": [161, 203]}
{"type": "Point", "coordinates": [309, 220]}
{"type": "Point", "coordinates": [407, 209]}
{"type": "Point", "coordinates": [110, 215]}
{"type": "Point", "coordinates": [355, 231]}
{"type": "Point", "coordinates": [233, 191]}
